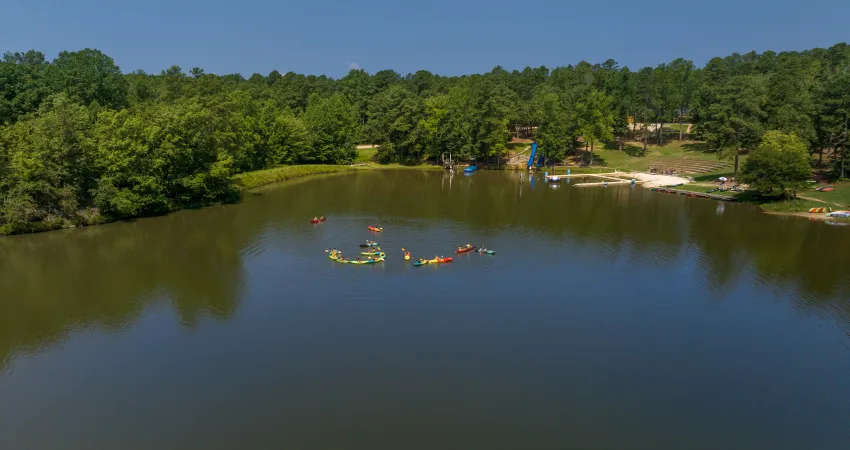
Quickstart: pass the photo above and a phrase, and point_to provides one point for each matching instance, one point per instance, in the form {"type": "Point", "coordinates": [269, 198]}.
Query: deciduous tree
{"type": "Point", "coordinates": [778, 164]}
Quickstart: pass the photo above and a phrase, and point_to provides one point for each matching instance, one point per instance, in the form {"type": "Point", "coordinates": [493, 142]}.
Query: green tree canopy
{"type": "Point", "coordinates": [778, 164]}
{"type": "Point", "coordinates": [332, 123]}
{"type": "Point", "coordinates": [89, 76]}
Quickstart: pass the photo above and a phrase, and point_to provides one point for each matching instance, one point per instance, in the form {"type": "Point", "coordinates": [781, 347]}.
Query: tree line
{"type": "Point", "coordinates": [82, 142]}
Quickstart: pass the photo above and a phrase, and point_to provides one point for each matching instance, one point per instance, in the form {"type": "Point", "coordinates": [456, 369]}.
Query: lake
{"type": "Point", "coordinates": [609, 318]}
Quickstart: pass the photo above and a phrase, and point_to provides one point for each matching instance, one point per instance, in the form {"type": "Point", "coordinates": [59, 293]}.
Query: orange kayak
{"type": "Point", "coordinates": [371, 228]}
{"type": "Point", "coordinates": [318, 220]}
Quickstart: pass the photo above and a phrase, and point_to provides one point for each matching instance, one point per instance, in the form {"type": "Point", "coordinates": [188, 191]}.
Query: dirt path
{"type": "Point", "coordinates": [815, 199]}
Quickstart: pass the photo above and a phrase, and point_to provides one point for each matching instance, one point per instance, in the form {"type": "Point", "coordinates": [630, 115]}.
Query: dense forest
{"type": "Point", "coordinates": [82, 142]}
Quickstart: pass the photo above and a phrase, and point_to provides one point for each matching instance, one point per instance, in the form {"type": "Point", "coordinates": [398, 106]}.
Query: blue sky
{"type": "Point", "coordinates": [445, 37]}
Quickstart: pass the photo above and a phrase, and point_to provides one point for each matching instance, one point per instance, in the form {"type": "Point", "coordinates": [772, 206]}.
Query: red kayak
{"type": "Point", "coordinates": [318, 220]}
{"type": "Point", "coordinates": [371, 228]}
{"type": "Point", "coordinates": [468, 248]}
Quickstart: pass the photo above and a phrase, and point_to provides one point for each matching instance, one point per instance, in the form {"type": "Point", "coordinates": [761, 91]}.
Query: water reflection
{"type": "Point", "coordinates": [106, 276]}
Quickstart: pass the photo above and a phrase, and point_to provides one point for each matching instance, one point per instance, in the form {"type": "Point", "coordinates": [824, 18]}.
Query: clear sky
{"type": "Point", "coordinates": [449, 37]}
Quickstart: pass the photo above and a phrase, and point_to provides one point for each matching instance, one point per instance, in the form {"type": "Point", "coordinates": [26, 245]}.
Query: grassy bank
{"type": "Point", "coordinates": [250, 180]}
{"type": "Point", "coordinates": [837, 199]}
{"type": "Point", "coordinates": [243, 181]}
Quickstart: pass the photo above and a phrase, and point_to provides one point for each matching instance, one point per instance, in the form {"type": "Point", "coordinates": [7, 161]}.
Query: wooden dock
{"type": "Point", "coordinates": [725, 198]}
{"type": "Point", "coordinates": [604, 176]}
{"type": "Point", "coordinates": [607, 183]}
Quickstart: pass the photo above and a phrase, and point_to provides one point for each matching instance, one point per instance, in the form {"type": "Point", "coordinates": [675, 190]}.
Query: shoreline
{"type": "Point", "coordinates": [810, 216]}
{"type": "Point", "coordinates": [242, 182]}
{"type": "Point", "coordinates": [265, 178]}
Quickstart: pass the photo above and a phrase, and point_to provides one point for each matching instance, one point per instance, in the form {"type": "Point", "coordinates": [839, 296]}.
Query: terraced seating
{"type": "Point", "coordinates": [687, 165]}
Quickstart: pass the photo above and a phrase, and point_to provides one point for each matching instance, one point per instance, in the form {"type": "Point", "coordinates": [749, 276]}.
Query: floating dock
{"type": "Point", "coordinates": [617, 178]}
{"type": "Point", "coordinates": [725, 198]}
{"type": "Point", "coordinates": [608, 183]}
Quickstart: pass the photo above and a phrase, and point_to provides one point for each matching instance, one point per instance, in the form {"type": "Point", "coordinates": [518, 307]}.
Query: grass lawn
{"type": "Point", "coordinates": [517, 146]}
{"type": "Point", "coordinates": [676, 127]}
{"type": "Point", "coordinates": [840, 197]}
{"type": "Point", "coordinates": [788, 205]}
{"type": "Point", "coordinates": [772, 204]}
{"type": "Point", "coordinates": [740, 195]}
{"type": "Point", "coordinates": [809, 198]}
{"type": "Point", "coordinates": [710, 177]}
{"type": "Point", "coordinates": [365, 155]}
{"type": "Point", "coordinates": [250, 180]}
{"type": "Point", "coordinates": [630, 158]}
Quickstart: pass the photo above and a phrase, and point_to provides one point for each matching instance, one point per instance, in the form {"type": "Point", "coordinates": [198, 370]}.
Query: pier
{"type": "Point", "coordinates": [695, 194]}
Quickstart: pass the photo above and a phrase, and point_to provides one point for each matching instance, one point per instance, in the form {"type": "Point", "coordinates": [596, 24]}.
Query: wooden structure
{"type": "Point", "coordinates": [725, 198]}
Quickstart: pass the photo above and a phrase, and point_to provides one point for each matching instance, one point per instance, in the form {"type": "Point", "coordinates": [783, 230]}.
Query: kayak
{"type": "Point", "coordinates": [370, 244]}
{"type": "Point", "coordinates": [468, 248]}
{"type": "Point", "coordinates": [335, 257]}
{"type": "Point", "coordinates": [378, 253]}
{"type": "Point", "coordinates": [365, 261]}
{"type": "Point", "coordinates": [431, 261]}
{"type": "Point", "coordinates": [318, 220]}
{"type": "Point", "coordinates": [407, 256]}
{"type": "Point", "coordinates": [371, 228]}
{"type": "Point", "coordinates": [485, 251]}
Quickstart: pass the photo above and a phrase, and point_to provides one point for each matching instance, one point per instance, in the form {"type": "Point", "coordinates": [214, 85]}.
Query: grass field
{"type": "Point", "coordinates": [808, 198]}
{"type": "Point", "coordinates": [517, 146]}
{"type": "Point", "coordinates": [840, 197]}
{"type": "Point", "coordinates": [676, 127]}
{"type": "Point", "coordinates": [365, 155]}
{"type": "Point", "coordinates": [250, 180]}
{"type": "Point", "coordinates": [630, 158]}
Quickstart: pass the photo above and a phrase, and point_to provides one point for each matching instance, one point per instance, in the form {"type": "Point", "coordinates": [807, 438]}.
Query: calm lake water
{"type": "Point", "coordinates": [610, 318]}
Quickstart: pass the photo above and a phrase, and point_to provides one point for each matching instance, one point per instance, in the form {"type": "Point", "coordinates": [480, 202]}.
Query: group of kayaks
{"type": "Point", "coordinates": [372, 252]}
{"type": "Point", "coordinates": [471, 248]}
{"type": "Point", "coordinates": [460, 249]}
{"type": "Point", "coordinates": [367, 257]}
